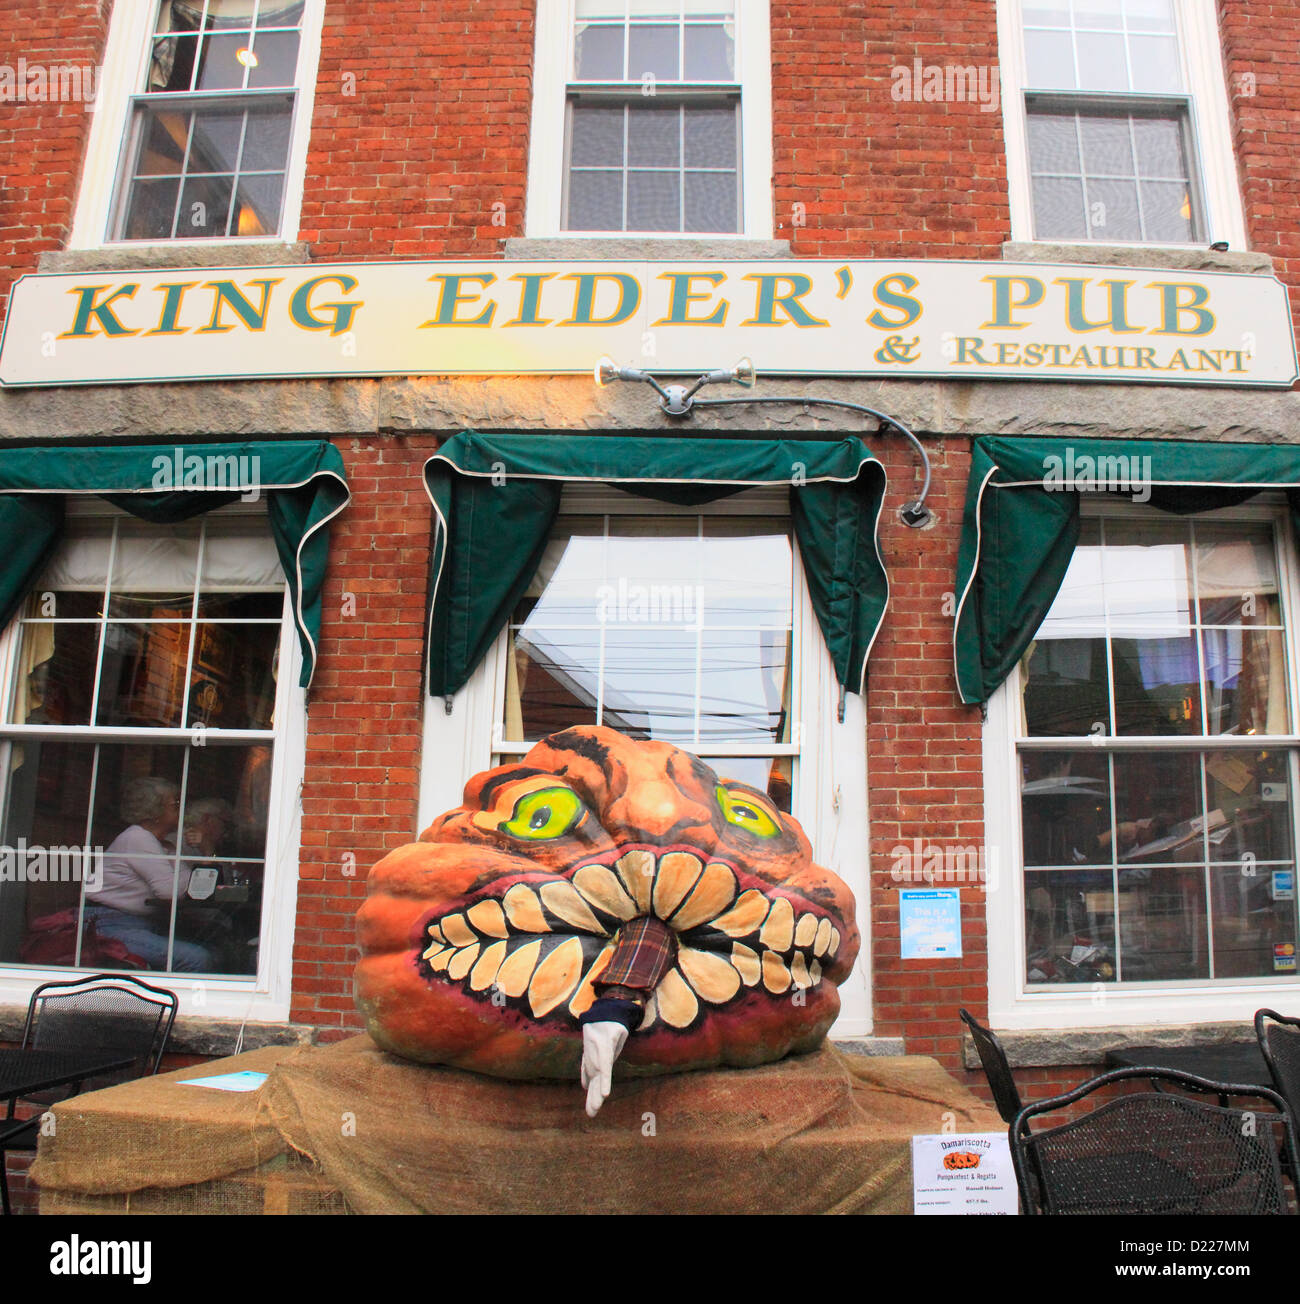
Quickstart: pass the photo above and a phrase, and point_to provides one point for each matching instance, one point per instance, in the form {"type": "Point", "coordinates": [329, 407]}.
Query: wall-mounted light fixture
{"type": "Point", "coordinates": [680, 400]}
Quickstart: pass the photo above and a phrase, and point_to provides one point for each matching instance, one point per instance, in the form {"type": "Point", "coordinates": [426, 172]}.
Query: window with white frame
{"type": "Point", "coordinates": [1117, 122]}
{"type": "Point", "coordinates": [149, 678]}
{"type": "Point", "coordinates": [651, 117]}
{"type": "Point", "coordinates": [1156, 767]}
{"type": "Point", "coordinates": [691, 625]}
{"type": "Point", "coordinates": [205, 108]}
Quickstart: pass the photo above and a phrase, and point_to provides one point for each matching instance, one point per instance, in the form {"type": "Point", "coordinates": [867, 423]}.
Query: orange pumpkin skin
{"type": "Point", "coordinates": [479, 942]}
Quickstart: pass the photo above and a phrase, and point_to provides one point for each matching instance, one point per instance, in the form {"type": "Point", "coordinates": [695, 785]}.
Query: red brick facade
{"type": "Point", "coordinates": [419, 149]}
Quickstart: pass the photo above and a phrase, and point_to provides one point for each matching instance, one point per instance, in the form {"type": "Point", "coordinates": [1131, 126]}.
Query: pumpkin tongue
{"type": "Point", "coordinates": [540, 946]}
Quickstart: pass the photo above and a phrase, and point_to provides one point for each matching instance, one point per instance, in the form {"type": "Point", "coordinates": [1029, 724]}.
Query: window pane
{"type": "Point", "coordinates": [1162, 925]}
{"type": "Point", "coordinates": [1158, 808]}
{"type": "Point", "coordinates": [215, 143]}
{"type": "Point", "coordinates": [598, 53]}
{"type": "Point", "coordinates": [1150, 15]}
{"type": "Point", "coordinates": [711, 202]}
{"type": "Point", "coordinates": [257, 205]}
{"type": "Point", "coordinates": [1155, 63]}
{"type": "Point", "coordinates": [1167, 211]}
{"type": "Point", "coordinates": [1107, 146]}
{"type": "Point", "coordinates": [1113, 210]}
{"type": "Point", "coordinates": [1159, 147]}
{"type": "Point", "coordinates": [596, 137]}
{"type": "Point", "coordinates": [55, 676]}
{"type": "Point", "coordinates": [1050, 57]}
{"type": "Point", "coordinates": [171, 67]}
{"type": "Point", "coordinates": [1058, 208]}
{"type": "Point", "coordinates": [710, 53]}
{"type": "Point", "coordinates": [768, 774]}
{"type": "Point", "coordinates": [1066, 687]}
{"type": "Point", "coordinates": [143, 676]}
{"type": "Point", "coordinates": [1065, 808]}
{"type": "Point", "coordinates": [1102, 65]}
{"type": "Point", "coordinates": [654, 137]}
{"type": "Point", "coordinates": [151, 210]}
{"type": "Point", "coordinates": [1099, 13]}
{"type": "Point", "coordinates": [1245, 672]}
{"type": "Point", "coordinates": [162, 151]}
{"type": "Point", "coordinates": [276, 55]}
{"type": "Point", "coordinates": [220, 65]}
{"type": "Point", "coordinates": [1147, 571]}
{"type": "Point", "coordinates": [1069, 926]}
{"type": "Point", "coordinates": [205, 207]}
{"type": "Point", "coordinates": [595, 201]}
{"type": "Point", "coordinates": [654, 201]}
{"type": "Point", "coordinates": [232, 680]}
{"type": "Point", "coordinates": [1236, 576]}
{"type": "Point", "coordinates": [1054, 143]}
{"type": "Point", "coordinates": [266, 141]}
{"type": "Point", "coordinates": [652, 51]}
{"type": "Point", "coordinates": [711, 137]}
{"type": "Point", "coordinates": [1249, 797]}
{"type": "Point", "coordinates": [1047, 13]}
{"type": "Point", "coordinates": [1157, 685]}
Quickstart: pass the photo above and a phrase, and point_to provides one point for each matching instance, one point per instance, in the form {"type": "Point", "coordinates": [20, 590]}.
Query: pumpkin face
{"type": "Point", "coordinates": [481, 941]}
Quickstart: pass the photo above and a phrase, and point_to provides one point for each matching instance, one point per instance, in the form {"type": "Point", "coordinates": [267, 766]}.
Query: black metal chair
{"type": "Point", "coordinates": [1279, 1040]}
{"type": "Point", "coordinates": [113, 1013]}
{"type": "Point", "coordinates": [997, 1070]}
{"type": "Point", "coordinates": [1156, 1152]}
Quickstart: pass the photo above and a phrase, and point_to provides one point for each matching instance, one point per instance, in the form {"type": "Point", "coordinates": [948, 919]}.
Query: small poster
{"type": "Point", "coordinates": [963, 1174]}
{"type": "Point", "coordinates": [929, 922]}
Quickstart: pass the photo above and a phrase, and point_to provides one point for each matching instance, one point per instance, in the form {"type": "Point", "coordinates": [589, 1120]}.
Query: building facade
{"type": "Point", "coordinates": [1079, 710]}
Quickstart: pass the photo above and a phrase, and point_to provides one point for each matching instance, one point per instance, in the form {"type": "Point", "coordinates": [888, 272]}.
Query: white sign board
{"type": "Point", "coordinates": [963, 1174]}
{"type": "Point", "coordinates": [957, 320]}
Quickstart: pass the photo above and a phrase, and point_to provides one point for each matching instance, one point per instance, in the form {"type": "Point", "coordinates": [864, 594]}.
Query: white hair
{"type": "Point", "coordinates": [147, 798]}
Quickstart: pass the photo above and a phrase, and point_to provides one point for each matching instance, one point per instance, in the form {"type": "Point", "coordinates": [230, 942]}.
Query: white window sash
{"type": "Point", "coordinates": [1013, 1004]}
{"type": "Point", "coordinates": [266, 996]}
{"type": "Point", "coordinates": [1209, 119]}
{"type": "Point", "coordinates": [547, 149]}
{"type": "Point", "coordinates": [126, 61]}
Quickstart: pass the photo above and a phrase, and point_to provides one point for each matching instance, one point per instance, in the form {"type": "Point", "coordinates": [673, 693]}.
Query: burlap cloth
{"type": "Point", "coordinates": [823, 1133]}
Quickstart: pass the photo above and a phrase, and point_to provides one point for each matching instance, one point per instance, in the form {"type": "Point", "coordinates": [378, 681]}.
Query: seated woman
{"type": "Point", "coordinates": [140, 867]}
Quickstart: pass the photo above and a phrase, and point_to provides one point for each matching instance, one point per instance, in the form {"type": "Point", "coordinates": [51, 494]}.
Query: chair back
{"type": "Point", "coordinates": [108, 1012]}
{"type": "Point", "coordinates": [1279, 1040]}
{"type": "Point", "coordinates": [1156, 1152]}
{"type": "Point", "coordinates": [997, 1070]}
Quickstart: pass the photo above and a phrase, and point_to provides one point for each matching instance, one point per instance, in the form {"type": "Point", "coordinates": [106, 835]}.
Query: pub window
{"type": "Point", "coordinates": [148, 671]}
{"type": "Point", "coordinates": [679, 627]}
{"type": "Point", "coordinates": [651, 117]}
{"type": "Point", "coordinates": [1116, 116]}
{"type": "Point", "coordinates": [1156, 762]}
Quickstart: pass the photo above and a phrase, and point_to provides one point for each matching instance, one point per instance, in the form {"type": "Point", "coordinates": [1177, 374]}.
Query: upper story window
{"type": "Point", "coordinates": [651, 117]}
{"type": "Point", "coordinates": [1117, 122]}
{"type": "Point", "coordinates": [203, 125]}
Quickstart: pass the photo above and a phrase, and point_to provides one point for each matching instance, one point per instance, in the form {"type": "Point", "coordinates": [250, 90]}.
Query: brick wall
{"type": "Point", "coordinates": [420, 128]}
{"type": "Point", "coordinates": [43, 141]}
{"type": "Point", "coordinates": [874, 176]}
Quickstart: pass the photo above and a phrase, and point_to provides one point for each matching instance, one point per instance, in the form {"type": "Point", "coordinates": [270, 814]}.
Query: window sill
{"type": "Point", "coordinates": [1052, 1048]}
{"type": "Point", "coordinates": [1180, 257]}
{"type": "Point", "coordinates": [162, 257]}
{"type": "Point", "coordinates": [645, 248]}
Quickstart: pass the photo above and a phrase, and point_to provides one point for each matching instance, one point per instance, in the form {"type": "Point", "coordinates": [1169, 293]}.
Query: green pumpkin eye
{"type": "Point", "coordinates": [746, 813]}
{"type": "Point", "coordinates": [549, 813]}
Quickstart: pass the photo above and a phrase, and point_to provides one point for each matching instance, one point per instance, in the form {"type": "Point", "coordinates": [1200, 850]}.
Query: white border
{"type": "Point", "coordinates": [1010, 1004]}
{"type": "Point", "coordinates": [555, 19]}
{"type": "Point", "coordinates": [126, 61]}
{"type": "Point", "coordinates": [1211, 118]}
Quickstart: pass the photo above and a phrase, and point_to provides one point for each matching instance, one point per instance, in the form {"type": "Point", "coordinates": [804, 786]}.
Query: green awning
{"type": "Point", "coordinates": [496, 496]}
{"type": "Point", "coordinates": [303, 483]}
{"type": "Point", "coordinates": [1022, 522]}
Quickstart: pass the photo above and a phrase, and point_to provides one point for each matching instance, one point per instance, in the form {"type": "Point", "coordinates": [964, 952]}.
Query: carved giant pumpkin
{"type": "Point", "coordinates": [480, 942]}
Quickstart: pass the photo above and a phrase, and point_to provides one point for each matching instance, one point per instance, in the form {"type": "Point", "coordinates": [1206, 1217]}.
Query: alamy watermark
{"type": "Point", "coordinates": [33, 863]}
{"type": "Point", "coordinates": [944, 863]}
{"type": "Point", "coordinates": [947, 83]}
{"type": "Point", "coordinates": [39, 83]}
{"type": "Point", "coordinates": [186, 469]}
{"type": "Point", "coordinates": [1118, 473]}
{"type": "Point", "coordinates": [626, 603]}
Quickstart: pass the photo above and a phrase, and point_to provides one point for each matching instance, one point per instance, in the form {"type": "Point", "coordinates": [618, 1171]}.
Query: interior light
{"type": "Point", "coordinates": [247, 57]}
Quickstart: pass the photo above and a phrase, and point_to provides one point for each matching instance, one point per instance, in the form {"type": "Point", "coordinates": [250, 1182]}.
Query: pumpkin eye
{"type": "Point", "coordinates": [746, 813]}
{"type": "Point", "coordinates": [549, 813]}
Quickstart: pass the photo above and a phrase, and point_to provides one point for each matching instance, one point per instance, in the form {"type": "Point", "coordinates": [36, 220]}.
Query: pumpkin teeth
{"type": "Point", "coordinates": [494, 945]}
